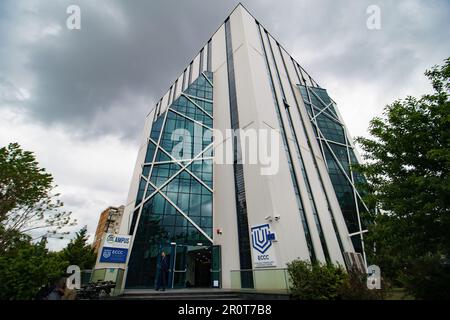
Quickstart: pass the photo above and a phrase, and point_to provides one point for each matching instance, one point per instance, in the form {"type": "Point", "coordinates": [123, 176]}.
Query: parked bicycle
{"type": "Point", "coordinates": [95, 290]}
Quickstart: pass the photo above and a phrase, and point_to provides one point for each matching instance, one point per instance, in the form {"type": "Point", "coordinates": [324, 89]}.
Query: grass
{"type": "Point", "coordinates": [398, 294]}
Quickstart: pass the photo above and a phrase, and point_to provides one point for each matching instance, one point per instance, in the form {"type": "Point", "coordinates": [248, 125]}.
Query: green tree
{"type": "Point", "coordinates": [79, 252]}
{"type": "Point", "coordinates": [27, 204]}
{"type": "Point", "coordinates": [26, 267]}
{"type": "Point", "coordinates": [407, 169]}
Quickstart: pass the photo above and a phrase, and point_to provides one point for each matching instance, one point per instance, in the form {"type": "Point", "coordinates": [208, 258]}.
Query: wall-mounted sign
{"type": "Point", "coordinates": [113, 255]}
{"type": "Point", "coordinates": [262, 238]}
{"type": "Point", "coordinates": [115, 248]}
{"type": "Point", "coordinates": [117, 240]}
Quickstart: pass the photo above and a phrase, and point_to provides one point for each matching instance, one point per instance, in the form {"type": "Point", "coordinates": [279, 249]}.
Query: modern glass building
{"type": "Point", "coordinates": [229, 225]}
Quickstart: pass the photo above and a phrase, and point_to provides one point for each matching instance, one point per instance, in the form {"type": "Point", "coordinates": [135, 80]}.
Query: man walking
{"type": "Point", "coordinates": [163, 270]}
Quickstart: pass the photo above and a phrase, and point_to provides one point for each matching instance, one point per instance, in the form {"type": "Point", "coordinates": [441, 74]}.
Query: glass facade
{"type": "Point", "coordinates": [338, 154]}
{"type": "Point", "coordinates": [174, 198]}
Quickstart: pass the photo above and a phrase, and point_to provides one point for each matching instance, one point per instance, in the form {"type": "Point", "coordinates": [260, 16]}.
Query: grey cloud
{"type": "Point", "coordinates": [331, 40]}
{"type": "Point", "coordinates": [9, 93]}
{"type": "Point", "coordinates": [124, 57]}
{"type": "Point", "coordinates": [104, 78]}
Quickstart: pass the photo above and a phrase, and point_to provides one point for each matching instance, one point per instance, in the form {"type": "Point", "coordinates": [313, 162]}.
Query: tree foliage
{"type": "Point", "coordinates": [27, 206]}
{"type": "Point", "coordinates": [407, 168]}
{"type": "Point", "coordinates": [27, 203]}
{"type": "Point", "coordinates": [25, 268]}
{"type": "Point", "coordinates": [79, 252]}
{"type": "Point", "coordinates": [22, 182]}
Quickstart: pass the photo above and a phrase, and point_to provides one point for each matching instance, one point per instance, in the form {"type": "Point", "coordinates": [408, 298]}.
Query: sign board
{"type": "Point", "coordinates": [263, 252]}
{"type": "Point", "coordinates": [115, 248]}
{"type": "Point", "coordinates": [113, 255]}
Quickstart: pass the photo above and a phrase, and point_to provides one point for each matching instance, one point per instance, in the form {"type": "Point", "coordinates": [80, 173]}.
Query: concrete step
{"type": "Point", "coordinates": [201, 294]}
{"type": "Point", "coordinates": [179, 294]}
{"type": "Point", "coordinates": [182, 297]}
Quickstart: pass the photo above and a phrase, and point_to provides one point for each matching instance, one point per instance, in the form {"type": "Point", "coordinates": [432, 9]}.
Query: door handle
{"type": "Point", "coordinates": [180, 270]}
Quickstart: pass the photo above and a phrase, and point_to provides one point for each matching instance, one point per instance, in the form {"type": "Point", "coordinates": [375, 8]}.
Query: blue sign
{"type": "Point", "coordinates": [262, 238]}
{"type": "Point", "coordinates": [114, 255]}
{"type": "Point", "coordinates": [271, 236]}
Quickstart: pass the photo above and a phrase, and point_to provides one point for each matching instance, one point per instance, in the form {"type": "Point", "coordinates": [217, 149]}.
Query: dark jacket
{"type": "Point", "coordinates": [164, 264]}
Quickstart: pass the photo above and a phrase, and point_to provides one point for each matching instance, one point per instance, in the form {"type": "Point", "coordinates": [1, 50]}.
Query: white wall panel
{"type": "Point", "coordinates": [218, 48]}
{"type": "Point", "coordinates": [195, 68]}
{"type": "Point", "coordinates": [164, 102]}
{"type": "Point", "coordinates": [179, 85]}
{"type": "Point", "coordinates": [263, 192]}
{"type": "Point", "coordinates": [205, 58]}
{"type": "Point", "coordinates": [132, 193]}
{"type": "Point", "coordinates": [308, 209]}
{"type": "Point", "coordinates": [313, 177]}
{"type": "Point", "coordinates": [224, 203]}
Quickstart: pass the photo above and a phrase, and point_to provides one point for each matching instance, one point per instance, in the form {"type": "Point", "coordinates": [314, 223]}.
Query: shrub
{"type": "Point", "coordinates": [355, 288]}
{"type": "Point", "coordinates": [315, 281]}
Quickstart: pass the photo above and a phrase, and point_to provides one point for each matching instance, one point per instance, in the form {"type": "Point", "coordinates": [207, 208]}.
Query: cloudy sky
{"type": "Point", "coordinates": [78, 98]}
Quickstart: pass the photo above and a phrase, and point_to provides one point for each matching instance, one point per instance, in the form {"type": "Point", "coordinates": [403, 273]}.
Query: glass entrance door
{"type": "Point", "coordinates": [179, 269]}
{"type": "Point", "coordinates": [190, 266]}
{"type": "Point", "coordinates": [176, 256]}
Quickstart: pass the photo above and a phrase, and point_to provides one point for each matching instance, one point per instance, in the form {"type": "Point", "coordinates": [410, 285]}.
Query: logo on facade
{"type": "Point", "coordinates": [110, 238]}
{"type": "Point", "coordinates": [106, 253]}
{"type": "Point", "coordinates": [261, 238]}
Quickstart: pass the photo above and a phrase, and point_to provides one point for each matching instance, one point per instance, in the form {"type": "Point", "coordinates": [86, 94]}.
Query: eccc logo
{"type": "Point", "coordinates": [262, 238]}
{"type": "Point", "coordinates": [106, 253]}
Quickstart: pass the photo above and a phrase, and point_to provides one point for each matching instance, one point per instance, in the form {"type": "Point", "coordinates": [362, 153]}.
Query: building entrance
{"type": "Point", "coordinates": [189, 266]}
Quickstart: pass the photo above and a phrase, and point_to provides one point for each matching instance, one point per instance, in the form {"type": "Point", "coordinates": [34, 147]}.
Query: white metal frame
{"type": "Point", "coordinates": [184, 167]}
{"type": "Point", "coordinates": [348, 145]}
